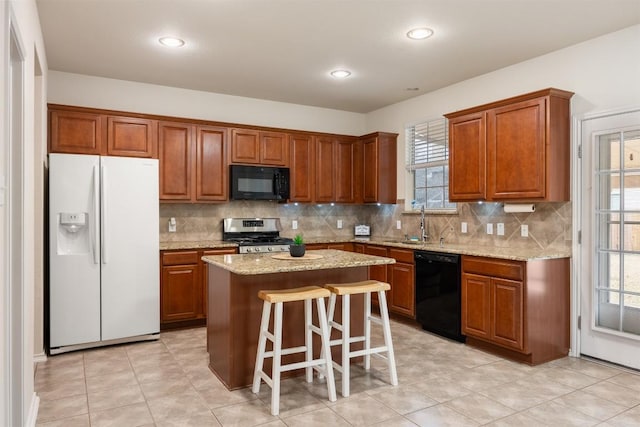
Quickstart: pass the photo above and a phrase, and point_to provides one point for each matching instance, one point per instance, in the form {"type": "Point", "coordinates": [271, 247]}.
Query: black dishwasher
{"type": "Point", "coordinates": [438, 293]}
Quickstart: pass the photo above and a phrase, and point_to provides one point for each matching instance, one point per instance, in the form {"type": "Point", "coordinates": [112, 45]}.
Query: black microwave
{"type": "Point", "coordinates": [258, 183]}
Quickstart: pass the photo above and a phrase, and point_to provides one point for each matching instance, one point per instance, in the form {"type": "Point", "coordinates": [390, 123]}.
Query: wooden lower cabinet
{"type": "Point", "coordinates": [517, 309]}
{"type": "Point", "coordinates": [401, 299]}
{"type": "Point", "coordinates": [183, 287]}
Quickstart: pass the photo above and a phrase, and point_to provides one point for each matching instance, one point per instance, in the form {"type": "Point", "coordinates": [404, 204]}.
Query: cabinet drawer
{"type": "Point", "coordinates": [494, 267]}
{"type": "Point", "coordinates": [179, 258]}
{"type": "Point", "coordinates": [403, 255]}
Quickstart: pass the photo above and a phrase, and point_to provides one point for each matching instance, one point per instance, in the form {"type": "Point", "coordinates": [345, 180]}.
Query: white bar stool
{"type": "Point", "coordinates": [365, 287]}
{"type": "Point", "coordinates": [278, 297]}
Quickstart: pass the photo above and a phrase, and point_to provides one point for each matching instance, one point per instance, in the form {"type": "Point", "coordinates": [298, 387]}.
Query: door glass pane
{"type": "Point", "coordinates": [617, 227]}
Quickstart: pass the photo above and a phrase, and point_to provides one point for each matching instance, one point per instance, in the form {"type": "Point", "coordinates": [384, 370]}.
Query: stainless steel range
{"type": "Point", "coordinates": [255, 235]}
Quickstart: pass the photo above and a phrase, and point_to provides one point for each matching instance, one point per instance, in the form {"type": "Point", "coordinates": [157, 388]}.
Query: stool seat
{"type": "Point", "coordinates": [358, 287]}
{"type": "Point", "coordinates": [294, 294]}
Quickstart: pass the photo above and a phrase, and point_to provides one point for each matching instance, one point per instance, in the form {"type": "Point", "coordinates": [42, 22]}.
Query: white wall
{"type": "Point", "coordinates": [99, 92]}
{"type": "Point", "coordinates": [22, 15]}
{"type": "Point", "coordinates": [604, 73]}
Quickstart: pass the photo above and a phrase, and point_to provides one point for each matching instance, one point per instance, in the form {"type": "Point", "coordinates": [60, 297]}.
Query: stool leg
{"type": "Point", "coordinates": [308, 338]}
{"type": "Point", "coordinates": [386, 330]}
{"type": "Point", "coordinates": [367, 330]}
{"type": "Point", "coordinates": [262, 344]}
{"type": "Point", "coordinates": [346, 347]}
{"type": "Point", "coordinates": [277, 359]}
{"type": "Point", "coordinates": [326, 345]}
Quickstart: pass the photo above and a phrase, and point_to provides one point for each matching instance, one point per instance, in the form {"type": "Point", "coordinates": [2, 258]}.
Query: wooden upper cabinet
{"type": "Point", "coordinates": [302, 173]}
{"type": "Point", "coordinates": [76, 132]}
{"type": "Point", "coordinates": [131, 137]}
{"type": "Point", "coordinates": [176, 151]}
{"type": "Point", "coordinates": [379, 168]}
{"type": "Point", "coordinates": [467, 157]}
{"type": "Point", "coordinates": [245, 146]}
{"type": "Point", "coordinates": [344, 159]}
{"type": "Point", "coordinates": [259, 147]}
{"type": "Point", "coordinates": [525, 145]}
{"type": "Point", "coordinates": [274, 149]}
{"type": "Point", "coordinates": [211, 172]}
{"type": "Point", "coordinates": [325, 169]}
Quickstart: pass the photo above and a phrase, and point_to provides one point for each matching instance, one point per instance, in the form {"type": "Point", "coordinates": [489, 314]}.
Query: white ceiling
{"type": "Point", "coordinates": [283, 50]}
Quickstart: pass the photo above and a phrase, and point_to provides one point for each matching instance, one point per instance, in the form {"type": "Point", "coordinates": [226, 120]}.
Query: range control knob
{"type": "Point", "coordinates": [270, 249]}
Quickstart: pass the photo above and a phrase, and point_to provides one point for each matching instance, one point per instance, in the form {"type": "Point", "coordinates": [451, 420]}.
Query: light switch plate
{"type": "Point", "coordinates": [463, 227]}
{"type": "Point", "coordinates": [500, 229]}
{"type": "Point", "coordinates": [294, 225]}
{"type": "Point", "coordinates": [339, 223]}
{"type": "Point", "coordinates": [399, 225]}
{"type": "Point", "coordinates": [524, 230]}
{"type": "Point", "coordinates": [490, 228]}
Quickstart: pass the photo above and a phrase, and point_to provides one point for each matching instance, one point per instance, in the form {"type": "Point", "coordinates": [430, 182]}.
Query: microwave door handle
{"type": "Point", "coordinates": [276, 185]}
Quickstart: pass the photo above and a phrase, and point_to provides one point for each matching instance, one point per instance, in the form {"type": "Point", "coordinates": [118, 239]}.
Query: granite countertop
{"type": "Point", "coordinates": [251, 264]}
{"type": "Point", "coordinates": [516, 254]}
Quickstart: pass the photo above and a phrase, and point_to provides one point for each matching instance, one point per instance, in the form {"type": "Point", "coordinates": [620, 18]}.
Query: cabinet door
{"type": "Point", "coordinates": [176, 154]}
{"type": "Point", "coordinates": [370, 171]}
{"type": "Point", "coordinates": [181, 293]}
{"type": "Point", "coordinates": [506, 313]}
{"type": "Point", "coordinates": [211, 171]}
{"type": "Point", "coordinates": [325, 170]}
{"type": "Point", "coordinates": [131, 137]}
{"type": "Point", "coordinates": [302, 172]}
{"type": "Point", "coordinates": [403, 289]}
{"type": "Point", "coordinates": [75, 132]}
{"type": "Point", "coordinates": [467, 157]}
{"type": "Point", "coordinates": [274, 149]}
{"type": "Point", "coordinates": [245, 146]}
{"type": "Point", "coordinates": [344, 170]}
{"type": "Point", "coordinates": [476, 305]}
{"type": "Point", "coordinates": [516, 151]}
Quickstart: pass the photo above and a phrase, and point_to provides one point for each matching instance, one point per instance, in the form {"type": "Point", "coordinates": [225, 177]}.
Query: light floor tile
{"type": "Point", "coordinates": [442, 389]}
{"type": "Point", "coordinates": [527, 393]}
{"type": "Point", "coordinates": [520, 419]}
{"type": "Point", "coordinates": [319, 418]}
{"type": "Point", "coordinates": [441, 416]}
{"type": "Point", "coordinates": [177, 405]}
{"type": "Point", "coordinates": [627, 379]}
{"type": "Point", "coordinates": [62, 408]}
{"type": "Point", "coordinates": [591, 405]}
{"type": "Point", "coordinates": [479, 408]}
{"type": "Point", "coordinates": [194, 420]}
{"type": "Point", "coordinates": [113, 380]}
{"type": "Point", "coordinates": [630, 418]}
{"type": "Point", "coordinates": [246, 414]}
{"type": "Point", "coordinates": [166, 388]}
{"type": "Point", "coordinates": [115, 397]}
{"type": "Point", "coordinates": [397, 421]}
{"type": "Point", "coordinates": [615, 393]}
{"type": "Point", "coordinates": [363, 410]}
{"type": "Point", "coordinates": [568, 377]}
{"type": "Point", "coordinates": [552, 412]}
{"type": "Point", "coordinates": [125, 416]}
{"type": "Point", "coordinates": [403, 399]}
{"type": "Point", "coordinates": [77, 421]}
{"type": "Point", "coordinates": [59, 389]}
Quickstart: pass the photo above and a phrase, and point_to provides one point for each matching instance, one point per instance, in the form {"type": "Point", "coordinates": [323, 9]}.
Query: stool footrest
{"type": "Point", "coordinates": [299, 365]}
{"type": "Point", "coordinates": [287, 351]}
{"type": "Point", "coordinates": [338, 341]}
{"type": "Point", "coordinates": [370, 351]}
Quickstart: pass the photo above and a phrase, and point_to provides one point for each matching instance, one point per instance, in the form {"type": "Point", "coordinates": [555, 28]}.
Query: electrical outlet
{"type": "Point", "coordinates": [294, 225]}
{"type": "Point", "coordinates": [524, 230]}
{"type": "Point", "coordinates": [464, 227]}
{"type": "Point", "coordinates": [489, 228]}
{"type": "Point", "coordinates": [172, 225]}
{"type": "Point", "coordinates": [339, 223]}
{"type": "Point", "coordinates": [399, 225]}
{"type": "Point", "coordinates": [500, 229]}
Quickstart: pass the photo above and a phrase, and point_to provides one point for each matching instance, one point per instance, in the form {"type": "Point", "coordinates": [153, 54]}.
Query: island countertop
{"type": "Point", "coordinates": [252, 264]}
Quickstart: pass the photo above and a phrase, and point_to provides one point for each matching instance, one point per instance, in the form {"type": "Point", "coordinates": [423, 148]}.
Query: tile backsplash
{"type": "Point", "coordinates": [549, 226]}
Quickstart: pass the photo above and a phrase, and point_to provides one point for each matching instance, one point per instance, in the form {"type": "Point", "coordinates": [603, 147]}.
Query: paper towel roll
{"type": "Point", "coordinates": [519, 207]}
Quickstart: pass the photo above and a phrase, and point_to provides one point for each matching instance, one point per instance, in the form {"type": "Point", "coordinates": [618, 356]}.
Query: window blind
{"type": "Point", "coordinates": [427, 144]}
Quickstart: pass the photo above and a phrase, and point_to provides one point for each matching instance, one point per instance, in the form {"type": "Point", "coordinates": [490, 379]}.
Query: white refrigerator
{"type": "Point", "coordinates": [104, 279]}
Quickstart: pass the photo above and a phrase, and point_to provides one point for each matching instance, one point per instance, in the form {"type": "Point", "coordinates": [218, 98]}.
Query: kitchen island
{"type": "Point", "coordinates": [234, 309]}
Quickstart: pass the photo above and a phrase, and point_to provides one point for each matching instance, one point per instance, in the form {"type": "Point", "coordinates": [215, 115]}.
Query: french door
{"type": "Point", "coordinates": [610, 214]}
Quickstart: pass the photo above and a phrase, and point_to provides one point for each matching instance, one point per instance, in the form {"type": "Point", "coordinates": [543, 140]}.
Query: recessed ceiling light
{"type": "Point", "coordinates": [171, 41]}
{"type": "Point", "coordinates": [420, 33]}
{"type": "Point", "coordinates": [341, 74]}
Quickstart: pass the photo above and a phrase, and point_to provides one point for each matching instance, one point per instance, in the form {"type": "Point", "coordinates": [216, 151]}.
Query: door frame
{"type": "Point", "coordinates": [577, 260]}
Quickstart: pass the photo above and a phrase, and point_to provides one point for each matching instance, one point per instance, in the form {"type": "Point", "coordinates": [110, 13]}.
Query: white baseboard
{"type": "Point", "coordinates": [40, 357]}
{"type": "Point", "coordinates": [33, 411]}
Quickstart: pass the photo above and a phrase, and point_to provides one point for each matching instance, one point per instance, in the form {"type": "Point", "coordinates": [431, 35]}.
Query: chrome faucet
{"type": "Point", "coordinates": [423, 229]}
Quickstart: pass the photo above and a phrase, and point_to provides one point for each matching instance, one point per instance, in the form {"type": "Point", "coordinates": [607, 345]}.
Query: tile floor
{"type": "Point", "coordinates": [442, 383]}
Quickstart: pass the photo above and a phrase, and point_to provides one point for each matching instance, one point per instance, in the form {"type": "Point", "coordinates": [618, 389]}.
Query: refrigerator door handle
{"type": "Point", "coordinates": [103, 217]}
{"type": "Point", "coordinates": [96, 207]}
